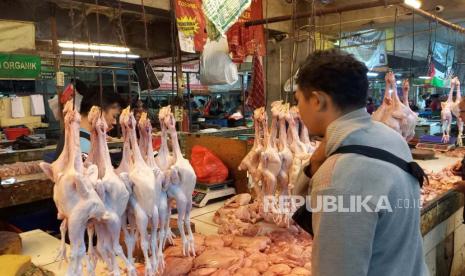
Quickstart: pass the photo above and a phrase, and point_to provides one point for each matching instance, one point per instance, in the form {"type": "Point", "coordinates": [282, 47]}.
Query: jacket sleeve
{"type": "Point", "coordinates": [343, 240]}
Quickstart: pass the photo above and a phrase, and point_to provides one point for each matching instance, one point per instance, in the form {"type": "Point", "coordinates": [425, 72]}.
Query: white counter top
{"type": "Point", "coordinates": [441, 161]}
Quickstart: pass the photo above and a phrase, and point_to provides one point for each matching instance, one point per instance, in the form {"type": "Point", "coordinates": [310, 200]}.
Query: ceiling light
{"type": "Point", "coordinates": [101, 54]}
{"type": "Point", "coordinates": [372, 74]}
{"type": "Point", "coordinates": [93, 47]}
{"type": "Point", "coordinates": [398, 82]}
{"type": "Point", "coordinates": [413, 3]}
{"type": "Point", "coordinates": [425, 77]}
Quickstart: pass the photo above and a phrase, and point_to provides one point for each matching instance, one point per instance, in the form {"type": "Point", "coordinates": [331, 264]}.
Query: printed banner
{"type": "Point", "coordinates": [163, 75]}
{"type": "Point", "coordinates": [367, 47]}
{"type": "Point", "coordinates": [440, 68]}
{"type": "Point", "coordinates": [19, 66]}
{"type": "Point", "coordinates": [191, 25]}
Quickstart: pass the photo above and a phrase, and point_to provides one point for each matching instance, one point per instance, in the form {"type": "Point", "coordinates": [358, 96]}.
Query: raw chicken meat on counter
{"type": "Point", "coordinates": [439, 183]}
{"type": "Point", "coordinates": [281, 252]}
{"type": "Point", "coordinates": [20, 168]}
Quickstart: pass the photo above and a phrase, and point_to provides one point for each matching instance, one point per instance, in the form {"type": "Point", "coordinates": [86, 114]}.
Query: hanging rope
{"type": "Point", "coordinates": [313, 27]}
{"type": "Point", "coordinates": [97, 14]}
{"type": "Point", "coordinates": [265, 58]}
{"type": "Point", "coordinates": [340, 30]}
{"type": "Point", "coordinates": [413, 43]}
{"type": "Point", "coordinates": [395, 31]}
{"type": "Point", "coordinates": [123, 38]}
{"type": "Point", "coordinates": [173, 48]}
{"type": "Point", "coordinates": [294, 49]}
{"type": "Point", "coordinates": [149, 82]}
{"type": "Point", "coordinates": [71, 13]}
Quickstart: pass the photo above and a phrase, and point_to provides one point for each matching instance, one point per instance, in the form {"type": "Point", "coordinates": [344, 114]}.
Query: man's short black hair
{"type": "Point", "coordinates": [92, 97]}
{"type": "Point", "coordinates": [337, 74]}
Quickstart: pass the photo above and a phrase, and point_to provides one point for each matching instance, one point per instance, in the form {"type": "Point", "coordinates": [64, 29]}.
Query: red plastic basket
{"type": "Point", "coordinates": [14, 132]}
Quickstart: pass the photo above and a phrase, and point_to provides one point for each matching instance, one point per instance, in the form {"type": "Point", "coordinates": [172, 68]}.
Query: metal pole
{"type": "Point", "coordinates": [324, 11]}
{"type": "Point", "coordinates": [243, 78]}
{"type": "Point", "coordinates": [189, 101]}
{"type": "Point", "coordinates": [438, 19]}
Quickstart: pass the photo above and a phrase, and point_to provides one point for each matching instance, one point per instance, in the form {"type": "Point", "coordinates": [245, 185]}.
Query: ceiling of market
{"type": "Point", "coordinates": [373, 18]}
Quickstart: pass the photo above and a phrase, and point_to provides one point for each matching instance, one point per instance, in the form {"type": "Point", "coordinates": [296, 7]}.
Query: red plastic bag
{"type": "Point", "coordinates": [67, 93]}
{"type": "Point", "coordinates": [208, 167]}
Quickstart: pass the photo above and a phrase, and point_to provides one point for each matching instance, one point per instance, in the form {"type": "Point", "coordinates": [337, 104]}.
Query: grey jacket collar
{"type": "Point", "coordinates": [345, 125]}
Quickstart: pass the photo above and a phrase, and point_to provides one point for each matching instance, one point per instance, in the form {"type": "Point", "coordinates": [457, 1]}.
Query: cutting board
{"type": "Point", "coordinates": [10, 243]}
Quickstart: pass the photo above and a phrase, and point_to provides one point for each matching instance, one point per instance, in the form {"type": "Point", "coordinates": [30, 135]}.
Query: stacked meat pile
{"type": "Point", "coordinates": [458, 152]}
{"type": "Point", "coordinates": [19, 168]}
{"type": "Point", "coordinates": [239, 216]}
{"type": "Point", "coordinates": [286, 252]}
{"type": "Point", "coordinates": [133, 198]}
{"type": "Point", "coordinates": [440, 183]}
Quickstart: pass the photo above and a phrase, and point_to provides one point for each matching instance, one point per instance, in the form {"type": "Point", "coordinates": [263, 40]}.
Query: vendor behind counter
{"type": "Point", "coordinates": [111, 105]}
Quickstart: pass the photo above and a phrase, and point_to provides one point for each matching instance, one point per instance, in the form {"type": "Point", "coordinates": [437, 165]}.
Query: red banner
{"type": "Point", "coordinates": [191, 25]}
{"type": "Point", "coordinates": [247, 41]}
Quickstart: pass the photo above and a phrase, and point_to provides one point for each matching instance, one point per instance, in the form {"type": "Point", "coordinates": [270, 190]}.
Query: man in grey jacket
{"type": "Point", "coordinates": [375, 228]}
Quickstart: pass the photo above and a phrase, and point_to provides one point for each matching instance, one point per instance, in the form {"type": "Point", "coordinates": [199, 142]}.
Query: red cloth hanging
{"type": "Point", "coordinates": [256, 97]}
{"type": "Point", "coordinates": [244, 41]}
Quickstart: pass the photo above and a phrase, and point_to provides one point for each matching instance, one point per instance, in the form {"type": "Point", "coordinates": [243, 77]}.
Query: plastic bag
{"type": "Point", "coordinates": [208, 167]}
{"type": "Point", "coordinates": [216, 67]}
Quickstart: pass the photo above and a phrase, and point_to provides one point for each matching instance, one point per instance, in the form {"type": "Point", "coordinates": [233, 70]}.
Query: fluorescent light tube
{"type": "Point", "coordinates": [101, 54]}
{"type": "Point", "coordinates": [93, 47]}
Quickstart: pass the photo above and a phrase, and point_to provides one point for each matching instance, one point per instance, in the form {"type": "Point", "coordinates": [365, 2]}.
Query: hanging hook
{"type": "Point", "coordinates": [340, 29]}
{"type": "Point", "coordinates": [123, 36]}
{"type": "Point", "coordinates": [71, 13]}
{"type": "Point", "coordinates": [97, 14]}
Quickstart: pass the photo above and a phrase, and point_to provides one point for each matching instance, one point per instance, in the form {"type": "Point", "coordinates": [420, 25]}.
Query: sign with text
{"type": "Point", "coordinates": [191, 25]}
{"type": "Point", "coordinates": [14, 66]}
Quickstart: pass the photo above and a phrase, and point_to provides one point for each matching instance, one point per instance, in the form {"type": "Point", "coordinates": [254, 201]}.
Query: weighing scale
{"type": "Point", "coordinates": [204, 192]}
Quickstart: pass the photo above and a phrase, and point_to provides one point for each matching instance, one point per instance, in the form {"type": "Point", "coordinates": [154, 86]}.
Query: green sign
{"type": "Point", "coordinates": [14, 66]}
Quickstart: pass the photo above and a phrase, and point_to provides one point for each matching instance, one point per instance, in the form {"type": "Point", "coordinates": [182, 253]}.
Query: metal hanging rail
{"type": "Point", "coordinates": [324, 11]}
{"type": "Point", "coordinates": [353, 7]}
{"type": "Point", "coordinates": [438, 19]}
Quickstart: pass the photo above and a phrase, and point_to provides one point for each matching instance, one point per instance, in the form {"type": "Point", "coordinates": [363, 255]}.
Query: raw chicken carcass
{"type": "Point", "coordinates": [299, 151]}
{"type": "Point", "coordinates": [410, 122]}
{"type": "Point", "coordinates": [76, 200]}
{"type": "Point", "coordinates": [392, 111]}
{"type": "Point", "coordinates": [270, 161]}
{"type": "Point", "coordinates": [252, 159]}
{"type": "Point", "coordinates": [446, 116]}
{"type": "Point", "coordinates": [164, 161]}
{"type": "Point", "coordinates": [114, 194]}
{"type": "Point", "coordinates": [182, 183]}
{"type": "Point", "coordinates": [456, 110]}
{"type": "Point", "coordinates": [146, 195]}
{"type": "Point", "coordinates": [145, 143]}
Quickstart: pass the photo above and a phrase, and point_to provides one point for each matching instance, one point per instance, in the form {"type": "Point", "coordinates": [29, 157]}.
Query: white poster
{"type": "Point", "coordinates": [368, 47]}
